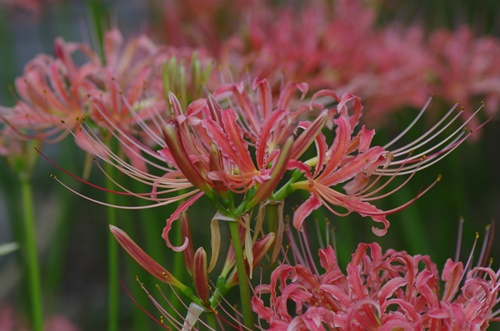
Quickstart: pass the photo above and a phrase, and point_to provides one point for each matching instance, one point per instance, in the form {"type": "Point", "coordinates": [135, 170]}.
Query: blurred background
{"type": "Point", "coordinates": [72, 232]}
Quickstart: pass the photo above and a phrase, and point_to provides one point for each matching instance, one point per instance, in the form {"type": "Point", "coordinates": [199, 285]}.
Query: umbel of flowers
{"type": "Point", "coordinates": [379, 291]}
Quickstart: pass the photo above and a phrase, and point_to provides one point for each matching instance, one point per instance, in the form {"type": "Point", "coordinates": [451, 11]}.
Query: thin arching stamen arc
{"type": "Point", "coordinates": [424, 108]}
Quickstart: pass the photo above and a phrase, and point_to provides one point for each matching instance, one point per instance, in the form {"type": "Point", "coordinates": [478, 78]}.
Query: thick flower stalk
{"type": "Point", "coordinates": [379, 291]}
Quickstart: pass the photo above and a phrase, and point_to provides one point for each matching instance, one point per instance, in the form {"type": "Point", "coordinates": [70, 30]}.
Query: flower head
{"type": "Point", "coordinates": [350, 160]}
{"type": "Point", "coordinates": [57, 94]}
{"type": "Point", "coordinates": [379, 291]}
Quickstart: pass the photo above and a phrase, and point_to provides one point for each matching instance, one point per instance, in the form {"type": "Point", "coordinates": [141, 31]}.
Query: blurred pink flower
{"type": "Point", "coordinates": [57, 94]}
{"type": "Point", "coordinates": [52, 91]}
{"type": "Point", "coordinates": [390, 67]}
{"type": "Point", "coordinates": [206, 24]}
{"type": "Point", "coordinates": [11, 321]}
{"type": "Point", "coordinates": [467, 68]}
{"type": "Point", "coordinates": [336, 52]}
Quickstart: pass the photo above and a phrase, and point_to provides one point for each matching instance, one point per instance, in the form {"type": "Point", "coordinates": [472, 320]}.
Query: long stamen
{"type": "Point", "coordinates": [126, 139]}
{"type": "Point", "coordinates": [142, 308]}
{"type": "Point", "coordinates": [408, 128]}
{"type": "Point", "coordinates": [416, 143]}
{"type": "Point", "coordinates": [457, 140]}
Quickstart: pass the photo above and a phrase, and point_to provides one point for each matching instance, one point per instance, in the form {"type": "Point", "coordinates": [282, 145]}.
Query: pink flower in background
{"type": "Point", "coordinates": [206, 24]}
{"type": "Point", "coordinates": [32, 8]}
{"type": "Point", "coordinates": [379, 291]}
{"type": "Point", "coordinates": [57, 94]}
{"type": "Point", "coordinates": [466, 68]}
{"type": "Point", "coordinates": [52, 91]}
{"type": "Point", "coordinates": [11, 321]}
{"type": "Point", "coordinates": [390, 76]}
{"type": "Point", "coordinates": [357, 56]}
{"type": "Point", "coordinates": [336, 52]}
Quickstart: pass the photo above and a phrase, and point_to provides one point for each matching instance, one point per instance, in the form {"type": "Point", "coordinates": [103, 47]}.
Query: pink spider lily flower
{"type": "Point", "coordinates": [57, 94]}
{"type": "Point", "coordinates": [236, 145]}
{"type": "Point", "coordinates": [379, 291]}
{"type": "Point", "coordinates": [193, 24]}
{"type": "Point", "coordinates": [46, 99]}
{"type": "Point", "coordinates": [350, 160]}
{"type": "Point", "coordinates": [206, 149]}
{"type": "Point", "coordinates": [466, 67]}
{"type": "Point", "coordinates": [348, 56]}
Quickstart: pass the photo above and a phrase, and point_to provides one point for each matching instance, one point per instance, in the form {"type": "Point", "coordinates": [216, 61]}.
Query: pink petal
{"type": "Point", "coordinates": [175, 216]}
{"type": "Point", "coordinates": [304, 210]}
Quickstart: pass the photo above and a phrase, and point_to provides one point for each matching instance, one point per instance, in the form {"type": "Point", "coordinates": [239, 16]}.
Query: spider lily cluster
{"type": "Point", "coordinates": [163, 118]}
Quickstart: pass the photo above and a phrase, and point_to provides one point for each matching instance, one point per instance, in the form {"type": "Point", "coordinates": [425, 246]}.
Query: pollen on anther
{"type": "Point", "coordinates": [53, 176]}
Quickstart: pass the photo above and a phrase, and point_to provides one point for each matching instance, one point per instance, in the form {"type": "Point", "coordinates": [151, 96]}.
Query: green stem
{"type": "Point", "coordinates": [99, 13]}
{"type": "Point", "coordinates": [30, 253]}
{"type": "Point", "coordinates": [212, 321]}
{"type": "Point", "coordinates": [113, 282]}
{"type": "Point", "coordinates": [242, 275]}
{"type": "Point", "coordinates": [272, 217]}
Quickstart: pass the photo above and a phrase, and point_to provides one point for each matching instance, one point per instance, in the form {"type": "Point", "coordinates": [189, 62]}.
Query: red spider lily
{"type": "Point", "coordinates": [57, 94]}
{"type": "Point", "coordinates": [336, 52]}
{"type": "Point", "coordinates": [206, 149]}
{"type": "Point", "coordinates": [380, 291]}
{"type": "Point", "coordinates": [52, 91]}
{"type": "Point", "coordinates": [466, 67]}
{"type": "Point", "coordinates": [236, 145]}
{"type": "Point", "coordinates": [351, 161]}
